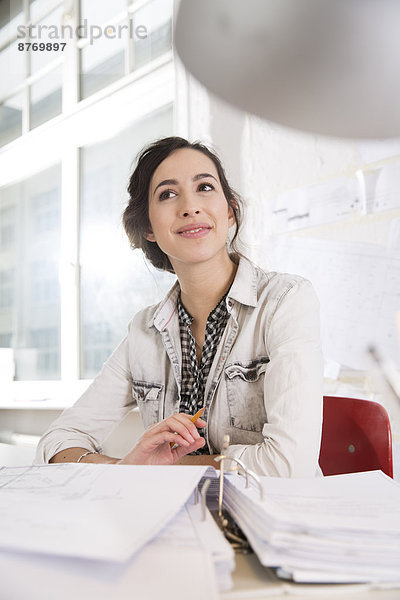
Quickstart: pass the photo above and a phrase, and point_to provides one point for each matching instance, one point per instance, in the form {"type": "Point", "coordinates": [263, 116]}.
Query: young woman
{"type": "Point", "coordinates": [241, 342]}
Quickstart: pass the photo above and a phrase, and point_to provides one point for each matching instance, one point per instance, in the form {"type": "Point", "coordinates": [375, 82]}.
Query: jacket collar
{"type": "Point", "coordinates": [243, 290]}
{"type": "Point", "coordinates": [244, 286]}
{"type": "Point", "coordinates": [166, 309]}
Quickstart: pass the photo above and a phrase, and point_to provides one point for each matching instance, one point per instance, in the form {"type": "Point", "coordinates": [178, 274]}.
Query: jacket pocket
{"type": "Point", "coordinates": [149, 398]}
{"type": "Point", "coordinates": [245, 394]}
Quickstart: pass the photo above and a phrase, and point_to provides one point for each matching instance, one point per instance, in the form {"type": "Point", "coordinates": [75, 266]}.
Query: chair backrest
{"type": "Point", "coordinates": [356, 436]}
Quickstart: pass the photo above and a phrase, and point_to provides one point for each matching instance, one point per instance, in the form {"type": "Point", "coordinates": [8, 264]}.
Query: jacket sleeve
{"type": "Point", "coordinates": [91, 419]}
{"type": "Point", "coordinates": [293, 390]}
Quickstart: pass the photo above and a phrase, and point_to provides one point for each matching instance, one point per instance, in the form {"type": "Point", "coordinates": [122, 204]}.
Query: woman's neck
{"type": "Point", "coordinates": [203, 285]}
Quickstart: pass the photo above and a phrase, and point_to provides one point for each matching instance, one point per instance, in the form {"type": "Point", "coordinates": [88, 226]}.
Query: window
{"type": "Point", "coordinates": [45, 98]}
{"type": "Point", "coordinates": [5, 340]}
{"type": "Point", "coordinates": [6, 288]}
{"type": "Point", "coordinates": [45, 213]}
{"type": "Point", "coordinates": [11, 119]}
{"type": "Point", "coordinates": [29, 283]}
{"type": "Point", "coordinates": [69, 282]}
{"type": "Point", "coordinates": [44, 283]}
{"type": "Point", "coordinates": [102, 58]}
{"type": "Point", "coordinates": [7, 227]}
{"type": "Point", "coordinates": [155, 16]}
{"type": "Point", "coordinates": [111, 40]}
{"type": "Point", "coordinates": [30, 86]}
{"type": "Point", "coordinates": [115, 282]}
{"type": "Point", "coordinates": [101, 64]}
{"type": "Point", "coordinates": [131, 38]}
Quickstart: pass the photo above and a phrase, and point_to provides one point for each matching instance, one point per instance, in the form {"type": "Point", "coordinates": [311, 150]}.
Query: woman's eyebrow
{"type": "Point", "coordinates": [174, 181]}
{"type": "Point", "coordinates": [203, 175]}
{"type": "Point", "coordinates": [165, 182]}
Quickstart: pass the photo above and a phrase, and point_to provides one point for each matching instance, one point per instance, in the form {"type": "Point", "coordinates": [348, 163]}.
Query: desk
{"type": "Point", "coordinates": [252, 580]}
{"type": "Point", "coordinates": [166, 568]}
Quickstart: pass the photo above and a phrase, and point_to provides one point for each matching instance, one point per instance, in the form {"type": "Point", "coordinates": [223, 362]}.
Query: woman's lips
{"type": "Point", "coordinates": [194, 231]}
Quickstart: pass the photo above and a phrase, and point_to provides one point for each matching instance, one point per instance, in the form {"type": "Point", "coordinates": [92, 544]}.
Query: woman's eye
{"type": "Point", "coordinates": [205, 187]}
{"type": "Point", "coordinates": [166, 194]}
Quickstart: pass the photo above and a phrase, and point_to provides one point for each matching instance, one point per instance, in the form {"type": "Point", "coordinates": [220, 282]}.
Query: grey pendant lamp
{"type": "Point", "coordinates": [324, 66]}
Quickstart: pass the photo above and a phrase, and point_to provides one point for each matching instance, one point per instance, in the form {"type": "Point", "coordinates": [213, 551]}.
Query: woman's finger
{"type": "Point", "coordinates": [182, 450]}
{"type": "Point", "coordinates": [180, 423]}
{"type": "Point", "coordinates": [199, 423]}
{"type": "Point", "coordinates": [160, 437]}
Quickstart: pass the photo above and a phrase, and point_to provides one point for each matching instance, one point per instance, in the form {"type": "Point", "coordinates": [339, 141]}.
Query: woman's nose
{"type": "Point", "coordinates": [189, 207]}
{"type": "Point", "coordinates": [190, 211]}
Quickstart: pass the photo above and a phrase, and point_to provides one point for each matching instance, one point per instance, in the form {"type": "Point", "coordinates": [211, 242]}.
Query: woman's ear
{"type": "Point", "coordinates": [231, 214]}
{"type": "Point", "coordinates": [149, 236]}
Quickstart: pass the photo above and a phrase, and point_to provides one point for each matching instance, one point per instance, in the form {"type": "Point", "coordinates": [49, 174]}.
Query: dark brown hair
{"type": "Point", "coordinates": [136, 215]}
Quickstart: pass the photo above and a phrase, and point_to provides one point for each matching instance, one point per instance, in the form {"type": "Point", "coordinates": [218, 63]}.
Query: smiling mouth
{"type": "Point", "coordinates": [195, 232]}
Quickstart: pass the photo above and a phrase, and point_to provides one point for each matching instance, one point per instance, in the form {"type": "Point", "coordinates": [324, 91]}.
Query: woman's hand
{"type": "Point", "coordinates": [154, 446]}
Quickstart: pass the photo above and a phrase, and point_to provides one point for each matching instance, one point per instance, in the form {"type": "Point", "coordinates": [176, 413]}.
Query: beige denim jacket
{"type": "Point", "coordinates": [264, 387]}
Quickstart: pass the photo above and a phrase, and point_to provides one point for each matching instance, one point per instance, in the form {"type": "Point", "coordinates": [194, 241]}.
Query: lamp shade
{"type": "Point", "coordinates": [325, 66]}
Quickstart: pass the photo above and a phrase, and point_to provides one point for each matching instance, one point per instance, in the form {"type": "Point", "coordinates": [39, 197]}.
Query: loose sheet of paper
{"type": "Point", "coordinates": [181, 561]}
{"type": "Point", "coordinates": [103, 512]}
{"type": "Point", "coordinates": [321, 203]}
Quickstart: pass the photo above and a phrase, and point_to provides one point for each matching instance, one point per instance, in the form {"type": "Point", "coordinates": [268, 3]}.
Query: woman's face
{"type": "Point", "coordinates": [189, 214]}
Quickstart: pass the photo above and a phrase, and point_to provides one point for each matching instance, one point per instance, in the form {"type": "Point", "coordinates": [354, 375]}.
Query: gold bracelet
{"type": "Point", "coordinates": [86, 453]}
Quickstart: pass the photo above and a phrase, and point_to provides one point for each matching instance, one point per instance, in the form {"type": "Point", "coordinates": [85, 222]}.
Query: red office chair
{"type": "Point", "coordinates": [356, 436]}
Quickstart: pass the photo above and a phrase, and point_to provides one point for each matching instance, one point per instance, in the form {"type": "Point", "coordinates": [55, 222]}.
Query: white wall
{"type": "Point", "coordinates": [264, 160]}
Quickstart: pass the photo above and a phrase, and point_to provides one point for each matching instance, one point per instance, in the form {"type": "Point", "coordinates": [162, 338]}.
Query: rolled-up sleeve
{"type": "Point", "coordinates": [293, 390]}
{"type": "Point", "coordinates": [92, 418]}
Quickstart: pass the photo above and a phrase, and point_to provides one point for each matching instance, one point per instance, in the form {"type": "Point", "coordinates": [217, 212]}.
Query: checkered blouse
{"type": "Point", "coordinates": [194, 376]}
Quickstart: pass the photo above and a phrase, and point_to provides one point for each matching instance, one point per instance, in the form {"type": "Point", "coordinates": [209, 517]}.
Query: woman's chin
{"type": "Point", "coordinates": [197, 258]}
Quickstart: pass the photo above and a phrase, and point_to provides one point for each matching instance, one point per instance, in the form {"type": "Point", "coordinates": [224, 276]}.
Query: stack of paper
{"type": "Point", "coordinates": [344, 528]}
{"type": "Point", "coordinates": [110, 532]}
